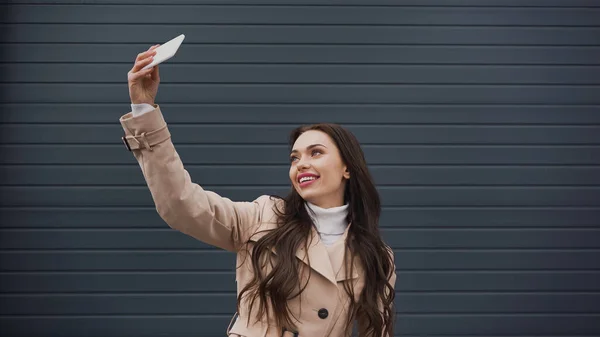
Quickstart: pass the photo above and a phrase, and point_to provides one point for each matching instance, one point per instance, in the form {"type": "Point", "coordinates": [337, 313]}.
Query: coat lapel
{"type": "Point", "coordinates": [318, 257]}
{"type": "Point", "coordinates": [337, 253]}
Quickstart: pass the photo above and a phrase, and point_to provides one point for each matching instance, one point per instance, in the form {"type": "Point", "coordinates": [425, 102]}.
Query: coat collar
{"type": "Point", "coordinates": [333, 269]}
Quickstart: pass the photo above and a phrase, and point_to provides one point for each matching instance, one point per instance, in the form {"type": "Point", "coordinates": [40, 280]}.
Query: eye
{"type": "Point", "coordinates": [316, 150]}
{"type": "Point", "coordinates": [292, 158]}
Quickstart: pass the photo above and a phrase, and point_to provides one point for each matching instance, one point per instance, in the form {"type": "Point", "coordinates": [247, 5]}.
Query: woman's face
{"type": "Point", "coordinates": [317, 171]}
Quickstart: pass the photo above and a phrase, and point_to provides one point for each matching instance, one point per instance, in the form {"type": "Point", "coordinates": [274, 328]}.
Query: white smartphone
{"type": "Point", "coordinates": [166, 51]}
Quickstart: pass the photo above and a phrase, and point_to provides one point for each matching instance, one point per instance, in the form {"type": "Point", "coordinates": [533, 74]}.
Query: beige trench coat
{"type": "Point", "coordinates": [218, 221]}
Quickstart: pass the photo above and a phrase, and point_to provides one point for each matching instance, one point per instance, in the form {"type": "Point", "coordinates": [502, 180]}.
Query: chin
{"type": "Point", "coordinates": [307, 196]}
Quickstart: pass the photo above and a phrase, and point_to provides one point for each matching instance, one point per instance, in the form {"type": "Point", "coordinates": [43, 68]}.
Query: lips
{"type": "Point", "coordinates": [306, 179]}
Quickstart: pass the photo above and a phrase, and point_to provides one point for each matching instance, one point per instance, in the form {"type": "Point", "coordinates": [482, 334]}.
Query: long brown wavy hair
{"type": "Point", "coordinates": [363, 241]}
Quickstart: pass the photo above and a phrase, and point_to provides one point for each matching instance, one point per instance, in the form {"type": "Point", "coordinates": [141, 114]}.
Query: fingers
{"type": "Point", "coordinates": [135, 75]}
{"type": "Point", "coordinates": [142, 60]}
{"type": "Point", "coordinates": [146, 53]}
{"type": "Point", "coordinates": [150, 52]}
{"type": "Point", "coordinates": [142, 63]}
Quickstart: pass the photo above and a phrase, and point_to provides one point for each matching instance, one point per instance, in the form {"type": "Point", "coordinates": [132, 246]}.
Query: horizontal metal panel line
{"type": "Point", "coordinates": [78, 271]}
{"type": "Point", "coordinates": [342, 105]}
{"type": "Point", "coordinates": [243, 187]}
{"type": "Point", "coordinates": [296, 25]}
{"type": "Point", "coordinates": [336, 65]}
{"type": "Point", "coordinates": [370, 124]}
{"type": "Point", "coordinates": [219, 272]}
{"type": "Point", "coordinates": [158, 316]}
{"type": "Point", "coordinates": [328, 44]}
{"type": "Point", "coordinates": [387, 229]}
{"type": "Point", "coordinates": [199, 272]}
{"type": "Point", "coordinates": [282, 166]}
{"type": "Point", "coordinates": [119, 143]}
{"type": "Point", "coordinates": [267, 4]}
{"type": "Point", "coordinates": [113, 293]}
{"type": "Point", "coordinates": [391, 124]}
{"type": "Point", "coordinates": [271, 44]}
{"type": "Point", "coordinates": [238, 186]}
{"type": "Point", "coordinates": [387, 186]}
{"type": "Point", "coordinates": [342, 84]}
{"type": "Point", "coordinates": [437, 207]}
{"type": "Point", "coordinates": [332, 64]}
{"type": "Point", "coordinates": [219, 251]}
{"type": "Point", "coordinates": [336, 5]}
{"type": "Point", "coordinates": [221, 293]}
{"type": "Point", "coordinates": [335, 104]}
{"type": "Point", "coordinates": [299, 104]}
{"type": "Point", "coordinates": [167, 229]}
{"type": "Point", "coordinates": [185, 313]}
{"type": "Point", "coordinates": [453, 227]}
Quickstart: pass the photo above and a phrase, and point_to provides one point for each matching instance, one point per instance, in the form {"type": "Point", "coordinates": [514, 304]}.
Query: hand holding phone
{"type": "Point", "coordinates": [143, 82]}
{"type": "Point", "coordinates": [166, 51]}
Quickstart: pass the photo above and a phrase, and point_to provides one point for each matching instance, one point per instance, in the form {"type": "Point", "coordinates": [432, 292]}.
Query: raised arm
{"type": "Point", "coordinates": [182, 204]}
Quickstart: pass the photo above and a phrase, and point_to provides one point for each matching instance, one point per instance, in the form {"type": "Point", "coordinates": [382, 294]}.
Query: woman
{"type": "Point", "coordinates": [310, 264]}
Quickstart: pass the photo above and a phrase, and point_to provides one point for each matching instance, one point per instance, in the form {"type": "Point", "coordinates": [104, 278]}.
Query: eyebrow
{"type": "Point", "coordinates": [309, 147]}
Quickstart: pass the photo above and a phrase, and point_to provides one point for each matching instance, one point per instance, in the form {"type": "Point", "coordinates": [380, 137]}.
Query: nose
{"type": "Point", "coordinates": [302, 164]}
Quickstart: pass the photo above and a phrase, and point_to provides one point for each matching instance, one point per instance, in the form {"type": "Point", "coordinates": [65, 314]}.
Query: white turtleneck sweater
{"type": "Point", "coordinates": [330, 222]}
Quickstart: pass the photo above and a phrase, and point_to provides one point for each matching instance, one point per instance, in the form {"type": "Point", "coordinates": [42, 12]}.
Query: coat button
{"type": "Point", "coordinates": [323, 313]}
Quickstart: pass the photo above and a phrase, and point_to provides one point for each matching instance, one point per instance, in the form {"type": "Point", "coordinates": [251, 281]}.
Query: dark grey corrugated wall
{"type": "Point", "coordinates": [480, 120]}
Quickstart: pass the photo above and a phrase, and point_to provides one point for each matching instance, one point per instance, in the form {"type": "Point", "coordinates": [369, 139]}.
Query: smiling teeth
{"type": "Point", "coordinates": [306, 179]}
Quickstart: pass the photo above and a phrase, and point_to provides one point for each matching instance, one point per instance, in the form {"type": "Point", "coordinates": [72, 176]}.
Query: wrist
{"type": "Point", "coordinates": [143, 102]}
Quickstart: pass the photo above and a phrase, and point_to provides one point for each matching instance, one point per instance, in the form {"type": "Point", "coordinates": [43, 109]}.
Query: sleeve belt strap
{"type": "Point", "coordinates": [146, 140]}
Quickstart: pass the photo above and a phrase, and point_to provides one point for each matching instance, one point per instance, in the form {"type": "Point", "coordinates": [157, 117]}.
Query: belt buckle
{"type": "Point", "coordinates": [126, 144]}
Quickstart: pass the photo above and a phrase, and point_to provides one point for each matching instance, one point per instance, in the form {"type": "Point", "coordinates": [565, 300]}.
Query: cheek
{"type": "Point", "coordinates": [331, 172]}
{"type": "Point", "coordinates": [331, 167]}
